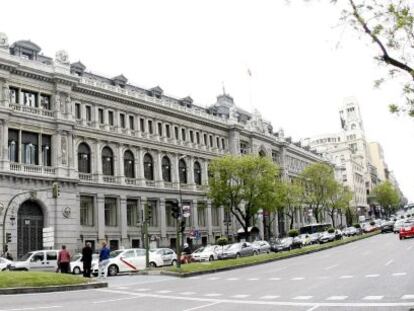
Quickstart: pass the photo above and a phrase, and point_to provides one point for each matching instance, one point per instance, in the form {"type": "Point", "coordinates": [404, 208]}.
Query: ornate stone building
{"type": "Point", "coordinates": [113, 148]}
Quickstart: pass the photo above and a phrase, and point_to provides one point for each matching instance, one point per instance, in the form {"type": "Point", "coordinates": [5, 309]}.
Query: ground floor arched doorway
{"type": "Point", "coordinates": [29, 227]}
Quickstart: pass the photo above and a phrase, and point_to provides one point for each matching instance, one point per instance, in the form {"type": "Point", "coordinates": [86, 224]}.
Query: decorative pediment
{"type": "Point", "coordinates": [26, 44]}
{"type": "Point", "coordinates": [156, 91]}
{"type": "Point", "coordinates": [120, 80]}
{"type": "Point", "coordinates": [186, 101]}
{"type": "Point", "coordinates": [77, 68]}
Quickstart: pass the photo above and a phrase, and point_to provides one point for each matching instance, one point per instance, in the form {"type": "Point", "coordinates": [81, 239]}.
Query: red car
{"type": "Point", "coordinates": [407, 230]}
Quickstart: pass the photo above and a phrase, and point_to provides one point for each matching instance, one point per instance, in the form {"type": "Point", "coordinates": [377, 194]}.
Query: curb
{"type": "Point", "coordinates": [48, 289]}
{"type": "Point", "coordinates": [190, 274]}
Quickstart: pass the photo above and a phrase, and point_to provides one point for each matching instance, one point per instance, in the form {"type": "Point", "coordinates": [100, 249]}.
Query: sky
{"type": "Point", "coordinates": [303, 63]}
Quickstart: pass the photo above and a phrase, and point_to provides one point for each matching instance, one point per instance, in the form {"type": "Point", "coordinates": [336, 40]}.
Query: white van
{"type": "Point", "coordinates": [45, 260]}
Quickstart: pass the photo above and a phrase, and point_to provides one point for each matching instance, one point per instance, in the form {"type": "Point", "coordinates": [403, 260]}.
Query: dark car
{"type": "Point", "coordinates": [387, 226]}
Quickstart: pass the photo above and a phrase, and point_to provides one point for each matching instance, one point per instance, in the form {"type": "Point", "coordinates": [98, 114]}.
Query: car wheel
{"type": "Point", "coordinates": [401, 238]}
{"type": "Point", "coordinates": [76, 270]}
{"type": "Point", "coordinates": [211, 258]}
{"type": "Point", "coordinates": [255, 254]}
{"type": "Point", "coordinates": [152, 264]}
{"type": "Point", "coordinates": [237, 255]}
{"type": "Point", "coordinates": [113, 270]}
{"type": "Point", "coordinates": [174, 262]}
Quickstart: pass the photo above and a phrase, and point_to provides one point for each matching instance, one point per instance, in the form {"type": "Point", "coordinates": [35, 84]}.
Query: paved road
{"type": "Point", "coordinates": [372, 274]}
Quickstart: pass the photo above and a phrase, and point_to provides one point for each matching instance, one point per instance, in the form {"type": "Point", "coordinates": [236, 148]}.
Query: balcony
{"type": "Point", "coordinates": [150, 183]}
{"type": "Point", "coordinates": [109, 179]}
{"type": "Point", "coordinates": [131, 181]}
{"type": "Point", "coordinates": [32, 169]}
{"type": "Point", "coordinates": [85, 177]}
{"type": "Point", "coordinates": [32, 110]}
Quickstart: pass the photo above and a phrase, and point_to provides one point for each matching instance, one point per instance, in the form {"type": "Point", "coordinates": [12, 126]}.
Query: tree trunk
{"type": "Point", "coordinates": [316, 214]}
{"type": "Point", "coordinates": [332, 214]}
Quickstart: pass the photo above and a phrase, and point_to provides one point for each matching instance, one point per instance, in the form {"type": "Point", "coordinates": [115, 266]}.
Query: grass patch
{"type": "Point", "coordinates": [14, 279]}
{"type": "Point", "coordinates": [251, 260]}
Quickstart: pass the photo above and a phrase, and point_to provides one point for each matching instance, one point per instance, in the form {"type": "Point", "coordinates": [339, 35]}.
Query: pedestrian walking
{"type": "Point", "coordinates": [87, 260]}
{"type": "Point", "coordinates": [103, 260]}
{"type": "Point", "coordinates": [64, 260]}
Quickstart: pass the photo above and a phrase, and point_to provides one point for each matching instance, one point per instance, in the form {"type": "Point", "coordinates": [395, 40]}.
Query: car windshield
{"type": "Point", "coordinates": [156, 251]}
{"type": "Point", "coordinates": [114, 254]}
{"type": "Point", "coordinates": [26, 256]}
{"type": "Point", "coordinates": [76, 257]}
{"type": "Point", "coordinates": [233, 247]}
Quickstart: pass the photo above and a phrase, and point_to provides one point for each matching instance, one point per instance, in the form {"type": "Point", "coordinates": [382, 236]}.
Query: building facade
{"type": "Point", "coordinates": [114, 149]}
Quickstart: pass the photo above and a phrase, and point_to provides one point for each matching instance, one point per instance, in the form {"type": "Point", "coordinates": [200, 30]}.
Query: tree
{"type": "Point", "coordinates": [243, 185]}
{"type": "Point", "coordinates": [317, 179]}
{"type": "Point", "coordinates": [389, 24]}
{"type": "Point", "coordinates": [386, 196]}
{"type": "Point", "coordinates": [338, 200]}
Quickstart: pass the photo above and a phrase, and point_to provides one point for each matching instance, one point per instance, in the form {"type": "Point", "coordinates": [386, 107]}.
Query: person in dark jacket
{"type": "Point", "coordinates": [103, 260]}
{"type": "Point", "coordinates": [87, 260]}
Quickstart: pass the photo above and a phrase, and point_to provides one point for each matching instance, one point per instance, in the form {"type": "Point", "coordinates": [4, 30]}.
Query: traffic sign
{"type": "Point", "coordinates": [48, 237]}
{"type": "Point", "coordinates": [186, 211]}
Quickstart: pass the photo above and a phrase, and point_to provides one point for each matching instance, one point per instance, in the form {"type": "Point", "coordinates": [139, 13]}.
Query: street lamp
{"type": "Point", "coordinates": [179, 234]}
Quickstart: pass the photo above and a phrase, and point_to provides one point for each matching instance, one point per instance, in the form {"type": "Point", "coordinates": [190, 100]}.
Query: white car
{"type": "Point", "coordinates": [126, 260]}
{"type": "Point", "coordinates": [261, 247]}
{"type": "Point", "coordinates": [4, 264]}
{"type": "Point", "coordinates": [37, 260]}
{"type": "Point", "coordinates": [162, 257]}
{"type": "Point", "coordinates": [206, 253]}
{"type": "Point", "coordinates": [76, 264]}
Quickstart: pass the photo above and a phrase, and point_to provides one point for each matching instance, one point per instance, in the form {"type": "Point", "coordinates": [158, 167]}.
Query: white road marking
{"type": "Point", "coordinates": [274, 279]}
{"type": "Point", "coordinates": [214, 278]}
{"type": "Point", "coordinates": [313, 308]}
{"type": "Point", "coordinates": [232, 279]}
{"type": "Point", "coordinates": [372, 275]}
{"type": "Point", "coordinates": [303, 297]}
{"type": "Point", "coordinates": [114, 300]}
{"type": "Point", "coordinates": [32, 308]}
{"type": "Point", "coordinates": [373, 297]}
{"type": "Point", "coordinates": [240, 296]}
{"type": "Point", "coordinates": [194, 278]}
{"type": "Point", "coordinates": [121, 287]}
{"type": "Point", "coordinates": [407, 297]}
{"type": "Point", "coordinates": [269, 297]}
{"type": "Point", "coordinates": [165, 291]}
{"type": "Point", "coordinates": [337, 298]}
{"type": "Point", "coordinates": [187, 293]}
{"type": "Point", "coordinates": [389, 262]}
{"type": "Point", "coordinates": [346, 276]}
{"type": "Point", "coordinates": [142, 289]}
{"type": "Point", "coordinates": [399, 274]}
{"type": "Point", "coordinates": [203, 306]}
{"type": "Point", "coordinates": [213, 295]}
{"type": "Point", "coordinates": [409, 247]}
{"type": "Point", "coordinates": [297, 279]}
{"type": "Point", "coordinates": [253, 279]}
{"type": "Point", "coordinates": [331, 267]}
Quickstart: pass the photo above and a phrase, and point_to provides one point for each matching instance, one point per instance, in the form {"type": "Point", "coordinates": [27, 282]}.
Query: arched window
{"type": "Point", "coordinates": [84, 158]}
{"type": "Point", "coordinates": [166, 169]}
{"type": "Point", "coordinates": [148, 167]}
{"type": "Point", "coordinates": [197, 173]}
{"type": "Point", "coordinates": [182, 167]}
{"type": "Point", "coordinates": [262, 154]}
{"type": "Point", "coordinates": [107, 161]}
{"type": "Point", "coordinates": [129, 164]}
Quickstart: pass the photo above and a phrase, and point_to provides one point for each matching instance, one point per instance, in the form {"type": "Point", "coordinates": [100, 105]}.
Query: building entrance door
{"type": "Point", "coordinates": [29, 228]}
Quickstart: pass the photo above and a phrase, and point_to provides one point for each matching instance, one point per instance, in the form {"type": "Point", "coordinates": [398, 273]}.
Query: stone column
{"type": "Point", "coordinates": [174, 171]}
{"type": "Point", "coordinates": [71, 155]}
{"type": "Point", "coordinates": [39, 149]}
{"type": "Point", "coordinates": [121, 172]}
{"type": "Point", "coordinates": [194, 214]}
{"type": "Point", "coordinates": [96, 158]}
{"type": "Point", "coordinates": [163, 219]}
{"type": "Point", "coordinates": [5, 141]}
{"type": "Point", "coordinates": [209, 222]}
{"type": "Point", "coordinates": [190, 173]}
{"type": "Point", "coordinates": [158, 170]}
{"type": "Point", "coordinates": [140, 167]}
{"type": "Point", "coordinates": [123, 218]}
{"type": "Point", "coordinates": [100, 206]}
{"type": "Point", "coordinates": [204, 172]}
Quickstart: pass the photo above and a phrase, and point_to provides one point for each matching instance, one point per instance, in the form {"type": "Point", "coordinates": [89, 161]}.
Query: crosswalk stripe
{"type": "Point", "coordinates": [372, 275]}
{"type": "Point", "coordinates": [337, 298]}
{"type": "Point", "coordinates": [297, 279]}
{"type": "Point", "coordinates": [373, 297]}
{"type": "Point", "coordinates": [232, 279]}
{"type": "Point", "coordinates": [213, 295]}
{"type": "Point", "coordinates": [213, 278]}
{"type": "Point", "coordinates": [269, 297]}
{"type": "Point", "coordinates": [142, 289]}
{"type": "Point", "coordinates": [399, 274]}
{"type": "Point", "coordinates": [406, 297]}
{"type": "Point", "coordinates": [240, 296]}
{"type": "Point", "coordinates": [346, 277]}
{"type": "Point", "coordinates": [253, 279]}
{"type": "Point", "coordinates": [187, 293]}
{"type": "Point", "coordinates": [302, 297]}
{"type": "Point", "coordinates": [164, 291]}
{"type": "Point", "coordinates": [274, 279]}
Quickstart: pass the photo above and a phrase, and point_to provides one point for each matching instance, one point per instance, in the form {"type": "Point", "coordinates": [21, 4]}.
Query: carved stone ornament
{"type": "Point", "coordinates": [64, 150]}
{"type": "Point", "coordinates": [62, 57]}
{"type": "Point", "coordinates": [4, 41]}
{"type": "Point", "coordinates": [66, 212]}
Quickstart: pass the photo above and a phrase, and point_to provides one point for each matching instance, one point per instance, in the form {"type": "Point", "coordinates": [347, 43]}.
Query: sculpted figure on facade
{"type": "Point", "coordinates": [6, 93]}
{"type": "Point", "coordinates": [68, 102]}
{"type": "Point", "coordinates": [62, 57]}
{"type": "Point", "coordinates": [4, 41]}
{"type": "Point", "coordinates": [63, 146]}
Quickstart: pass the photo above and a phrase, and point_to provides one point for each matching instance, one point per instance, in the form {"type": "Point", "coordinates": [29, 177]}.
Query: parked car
{"type": "Point", "coordinates": [206, 253]}
{"type": "Point", "coordinates": [398, 224]}
{"type": "Point", "coordinates": [285, 244]}
{"type": "Point", "coordinates": [162, 257]}
{"type": "Point", "coordinates": [338, 234]}
{"type": "Point", "coordinates": [4, 264]}
{"type": "Point", "coordinates": [76, 264]}
{"type": "Point", "coordinates": [407, 230]}
{"type": "Point", "coordinates": [261, 247]}
{"type": "Point", "coordinates": [37, 260]}
{"type": "Point", "coordinates": [237, 250]}
{"type": "Point", "coordinates": [305, 239]}
{"type": "Point", "coordinates": [126, 260]}
{"type": "Point", "coordinates": [326, 237]}
{"type": "Point", "coordinates": [350, 231]}
{"type": "Point", "coordinates": [387, 226]}
{"type": "Point", "coordinates": [315, 237]}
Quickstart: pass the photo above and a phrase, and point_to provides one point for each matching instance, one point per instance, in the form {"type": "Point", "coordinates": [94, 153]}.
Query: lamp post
{"type": "Point", "coordinates": [180, 218]}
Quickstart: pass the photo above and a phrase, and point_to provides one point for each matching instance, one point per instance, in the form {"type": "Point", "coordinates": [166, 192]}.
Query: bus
{"type": "Point", "coordinates": [314, 228]}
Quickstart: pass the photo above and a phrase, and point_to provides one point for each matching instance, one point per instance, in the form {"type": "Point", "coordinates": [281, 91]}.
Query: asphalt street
{"type": "Point", "coordinates": [371, 274]}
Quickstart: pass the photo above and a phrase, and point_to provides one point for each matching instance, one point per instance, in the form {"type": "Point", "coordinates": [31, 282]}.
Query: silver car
{"type": "Point", "coordinates": [261, 247]}
{"type": "Point", "coordinates": [237, 250]}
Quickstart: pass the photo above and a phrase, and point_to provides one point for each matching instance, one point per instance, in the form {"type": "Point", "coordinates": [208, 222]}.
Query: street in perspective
{"type": "Point", "coordinates": [186, 155]}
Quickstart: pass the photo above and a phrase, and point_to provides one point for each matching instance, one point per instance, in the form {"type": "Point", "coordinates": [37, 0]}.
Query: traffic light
{"type": "Point", "coordinates": [182, 225]}
{"type": "Point", "coordinates": [8, 238]}
{"type": "Point", "coordinates": [56, 190]}
{"type": "Point", "coordinates": [175, 210]}
{"type": "Point", "coordinates": [148, 212]}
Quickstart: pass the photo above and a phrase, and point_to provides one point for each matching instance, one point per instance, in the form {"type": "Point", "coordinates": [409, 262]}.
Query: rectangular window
{"type": "Point", "coordinates": [131, 123]}
{"type": "Point", "coordinates": [152, 204]}
{"type": "Point", "coordinates": [223, 144]}
{"type": "Point", "coordinates": [217, 142]}
{"type": "Point", "coordinates": [29, 98]}
{"type": "Point", "coordinates": [205, 139]}
{"type": "Point", "coordinates": [159, 128]}
{"type": "Point", "coordinates": [211, 140]}
{"type": "Point", "coordinates": [88, 111]}
{"type": "Point", "coordinates": [111, 118]}
{"type": "Point", "coordinates": [243, 148]}
{"type": "Point", "coordinates": [14, 95]}
{"type": "Point", "coordinates": [183, 136]}
{"type": "Point", "coordinates": [87, 211]}
{"type": "Point", "coordinates": [167, 131]}
{"type": "Point", "coordinates": [78, 113]}
{"type": "Point", "coordinates": [30, 148]}
{"type": "Point", "coordinates": [14, 145]}
{"type": "Point", "coordinates": [198, 138]}
{"type": "Point", "coordinates": [46, 150]}
{"type": "Point", "coordinates": [122, 120]}
{"type": "Point", "coordinates": [150, 129]}
{"type": "Point", "coordinates": [201, 214]}
{"type": "Point", "coordinates": [168, 210]}
{"type": "Point", "coordinates": [132, 213]}
{"type": "Point", "coordinates": [101, 116]}
{"type": "Point", "coordinates": [45, 101]}
{"type": "Point", "coordinates": [176, 133]}
{"type": "Point", "coordinates": [192, 136]}
{"type": "Point", "coordinates": [215, 216]}
{"type": "Point", "coordinates": [142, 125]}
{"type": "Point", "coordinates": [111, 216]}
